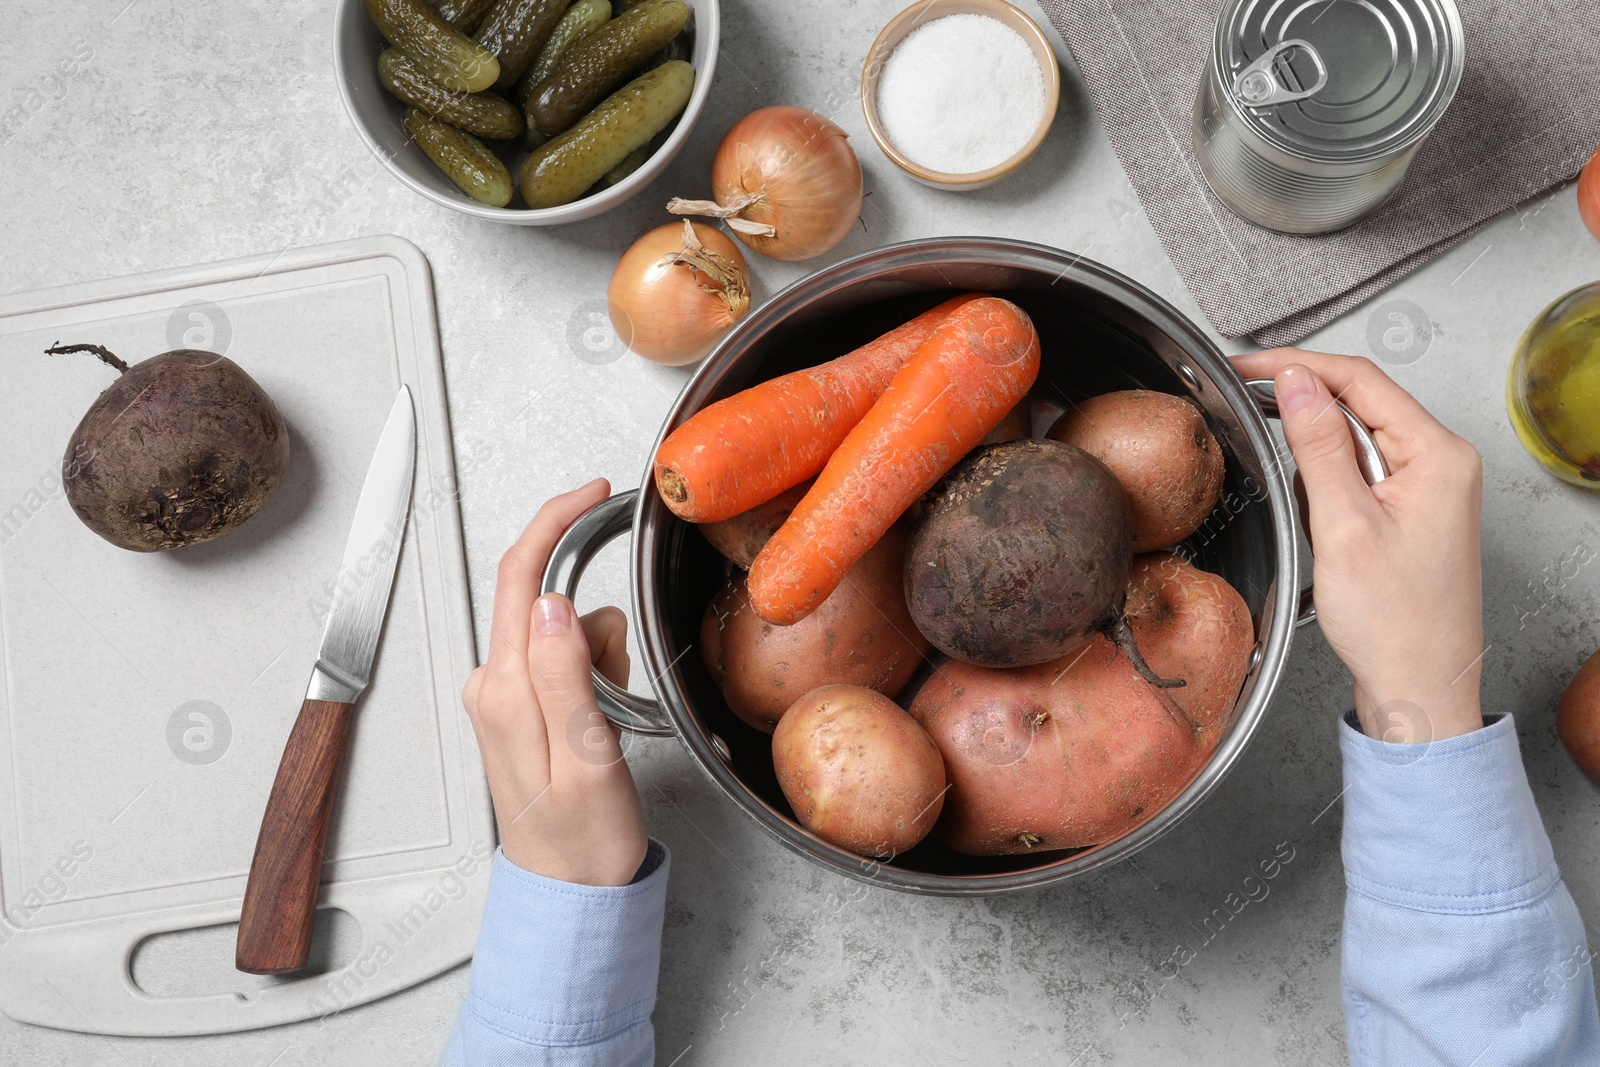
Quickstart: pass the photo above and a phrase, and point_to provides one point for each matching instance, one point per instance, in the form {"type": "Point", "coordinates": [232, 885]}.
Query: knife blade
{"type": "Point", "coordinates": [280, 898]}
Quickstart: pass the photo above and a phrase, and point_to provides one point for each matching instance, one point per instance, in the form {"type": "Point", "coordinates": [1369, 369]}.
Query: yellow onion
{"type": "Point", "coordinates": [676, 291]}
{"type": "Point", "coordinates": [786, 180]}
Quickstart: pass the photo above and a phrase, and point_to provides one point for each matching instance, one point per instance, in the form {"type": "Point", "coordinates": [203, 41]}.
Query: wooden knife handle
{"type": "Point", "coordinates": [280, 899]}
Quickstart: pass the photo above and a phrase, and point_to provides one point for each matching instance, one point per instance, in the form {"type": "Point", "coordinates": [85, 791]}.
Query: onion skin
{"type": "Point", "coordinates": [1589, 195]}
{"type": "Point", "coordinates": [804, 172]}
{"type": "Point", "coordinates": [671, 312]}
{"type": "Point", "coordinates": [1578, 718]}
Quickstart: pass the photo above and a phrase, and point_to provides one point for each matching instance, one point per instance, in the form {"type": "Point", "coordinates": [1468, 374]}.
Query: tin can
{"type": "Point", "coordinates": [1309, 113]}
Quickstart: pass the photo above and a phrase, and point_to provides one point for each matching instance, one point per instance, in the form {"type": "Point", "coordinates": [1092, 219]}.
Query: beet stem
{"type": "Point", "coordinates": [1122, 634]}
{"type": "Point", "coordinates": [105, 355]}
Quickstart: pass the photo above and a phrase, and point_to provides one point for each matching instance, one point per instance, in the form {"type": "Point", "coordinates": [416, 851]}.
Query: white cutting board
{"type": "Point", "coordinates": [146, 698]}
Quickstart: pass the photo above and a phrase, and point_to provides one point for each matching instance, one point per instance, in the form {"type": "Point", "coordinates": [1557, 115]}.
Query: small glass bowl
{"type": "Point", "coordinates": [1553, 389]}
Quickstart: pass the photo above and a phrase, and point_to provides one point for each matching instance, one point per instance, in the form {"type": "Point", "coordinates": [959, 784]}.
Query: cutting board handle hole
{"type": "Point", "coordinates": [199, 961]}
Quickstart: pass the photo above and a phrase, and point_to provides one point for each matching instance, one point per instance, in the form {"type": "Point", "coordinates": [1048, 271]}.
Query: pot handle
{"type": "Point", "coordinates": [1368, 458]}
{"type": "Point", "coordinates": [593, 530]}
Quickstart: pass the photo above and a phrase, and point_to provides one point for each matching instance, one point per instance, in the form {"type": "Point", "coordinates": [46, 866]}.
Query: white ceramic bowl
{"type": "Point", "coordinates": [376, 116]}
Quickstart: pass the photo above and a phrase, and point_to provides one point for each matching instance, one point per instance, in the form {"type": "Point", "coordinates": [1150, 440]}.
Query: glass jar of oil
{"type": "Point", "coordinates": [1553, 392]}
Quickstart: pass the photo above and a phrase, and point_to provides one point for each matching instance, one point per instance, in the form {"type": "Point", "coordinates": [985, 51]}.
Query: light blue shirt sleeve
{"type": "Point", "coordinates": [1461, 944]}
{"type": "Point", "coordinates": [564, 975]}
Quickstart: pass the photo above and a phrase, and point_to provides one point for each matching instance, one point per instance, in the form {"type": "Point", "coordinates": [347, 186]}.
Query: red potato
{"type": "Point", "coordinates": [1081, 750]}
{"type": "Point", "coordinates": [1066, 754]}
{"type": "Point", "coordinates": [1578, 718]}
{"type": "Point", "coordinates": [858, 771]}
{"type": "Point", "coordinates": [1589, 196]}
{"type": "Point", "coordinates": [861, 635]}
{"type": "Point", "coordinates": [741, 537]}
{"type": "Point", "coordinates": [1160, 449]}
{"type": "Point", "coordinates": [1016, 426]}
{"type": "Point", "coordinates": [1193, 625]}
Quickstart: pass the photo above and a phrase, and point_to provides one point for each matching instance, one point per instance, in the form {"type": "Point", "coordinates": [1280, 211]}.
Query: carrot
{"type": "Point", "coordinates": [746, 449]}
{"type": "Point", "coordinates": [978, 363]}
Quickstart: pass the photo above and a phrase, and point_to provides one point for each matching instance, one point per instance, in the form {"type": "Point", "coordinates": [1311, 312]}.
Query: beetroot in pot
{"type": "Point", "coordinates": [1023, 551]}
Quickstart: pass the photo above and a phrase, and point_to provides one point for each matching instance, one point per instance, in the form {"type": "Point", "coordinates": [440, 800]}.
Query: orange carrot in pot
{"type": "Point", "coordinates": [747, 448]}
{"type": "Point", "coordinates": [978, 363]}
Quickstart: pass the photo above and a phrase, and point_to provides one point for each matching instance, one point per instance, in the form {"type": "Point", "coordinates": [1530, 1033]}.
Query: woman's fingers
{"type": "Point", "coordinates": [469, 691]}
{"type": "Point", "coordinates": [522, 567]}
{"type": "Point", "coordinates": [1323, 450]}
{"type": "Point", "coordinates": [607, 631]}
{"type": "Point", "coordinates": [581, 738]}
{"type": "Point", "coordinates": [1402, 425]}
{"type": "Point", "coordinates": [500, 696]}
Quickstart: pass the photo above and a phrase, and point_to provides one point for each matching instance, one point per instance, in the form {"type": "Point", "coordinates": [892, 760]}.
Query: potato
{"type": "Point", "coordinates": [1081, 750]}
{"type": "Point", "coordinates": [1021, 552]}
{"type": "Point", "coordinates": [1578, 718]}
{"type": "Point", "coordinates": [861, 635]}
{"type": "Point", "coordinates": [741, 537]}
{"type": "Point", "coordinates": [1017, 425]}
{"type": "Point", "coordinates": [1060, 755]}
{"type": "Point", "coordinates": [1193, 625]}
{"type": "Point", "coordinates": [858, 771]}
{"type": "Point", "coordinates": [1160, 449]}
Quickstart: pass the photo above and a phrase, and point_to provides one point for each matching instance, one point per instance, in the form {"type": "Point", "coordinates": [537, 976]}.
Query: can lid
{"type": "Point", "coordinates": [1340, 80]}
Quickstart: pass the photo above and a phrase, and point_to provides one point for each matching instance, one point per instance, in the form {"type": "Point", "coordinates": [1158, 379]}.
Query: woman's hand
{"type": "Point", "coordinates": [565, 803]}
{"type": "Point", "coordinates": [1399, 578]}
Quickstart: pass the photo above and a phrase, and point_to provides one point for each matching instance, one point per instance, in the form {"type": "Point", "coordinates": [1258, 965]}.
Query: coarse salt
{"type": "Point", "coordinates": [961, 94]}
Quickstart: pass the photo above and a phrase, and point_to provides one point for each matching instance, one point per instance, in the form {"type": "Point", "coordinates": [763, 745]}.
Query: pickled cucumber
{"type": "Point", "coordinates": [464, 159]}
{"type": "Point", "coordinates": [602, 60]}
{"type": "Point", "coordinates": [622, 170]}
{"type": "Point", "coordinates": [677, 48]}
{"type": "Point", "coordinates": [581, 19]}
{"type": "Point", "coordinates": [514, 31]}
{"type": "Point", "coordinates": [445, 55]}
{"type": "Point", "coordinates": [565, 168]}
{"type": "Point", "coordinates": [464, 15]}
{"type": "Point", "coordinates": [481, 114]}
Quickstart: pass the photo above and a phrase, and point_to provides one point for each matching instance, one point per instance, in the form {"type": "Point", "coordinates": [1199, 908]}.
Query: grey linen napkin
{"type": "Point", "coordinates": [1526, 118]}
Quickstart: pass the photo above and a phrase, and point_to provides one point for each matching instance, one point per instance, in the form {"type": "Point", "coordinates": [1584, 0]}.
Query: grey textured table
{"type": "Point", "coordinates": [195, 132]}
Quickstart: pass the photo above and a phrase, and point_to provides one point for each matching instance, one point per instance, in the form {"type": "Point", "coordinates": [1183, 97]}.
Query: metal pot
{"type": "Point", "coordinates": [1100, 331]}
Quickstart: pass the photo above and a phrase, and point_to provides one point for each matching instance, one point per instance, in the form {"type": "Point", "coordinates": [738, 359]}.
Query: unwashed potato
{"type": "Point", "coordinates": [861, 635]}
{"type": "Point", "coordinates": [1065, 754]}
{"type": "Point", "coordinates": [1193, 625]}
{"type": "Point", "coordinates": [1017, 425]}
{"type": "Point", "coordinates": [1578, 718]}
{"type": "Point", "coordinates": [1080, 751]}
{"type": "Point", "coordinates": [1160, 449]}
{"type": "Point", "coordinates": [741, 537]}
{"type": "Point", "coordinates": [858, 771]}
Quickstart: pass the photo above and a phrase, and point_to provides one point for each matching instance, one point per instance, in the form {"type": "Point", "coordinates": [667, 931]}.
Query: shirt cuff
{"type": "Point", "coordinates": [565, 964]}
{"type": "Point", "coordinates": [1447, 826]}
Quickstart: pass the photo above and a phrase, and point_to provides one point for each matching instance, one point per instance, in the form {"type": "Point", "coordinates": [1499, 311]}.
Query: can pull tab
{"type": "Point", "coordinates": [1258, 86]}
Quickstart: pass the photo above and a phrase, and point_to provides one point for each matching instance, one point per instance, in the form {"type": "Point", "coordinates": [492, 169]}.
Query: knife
{"type": "Point", "coordinates": [280, 898]}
